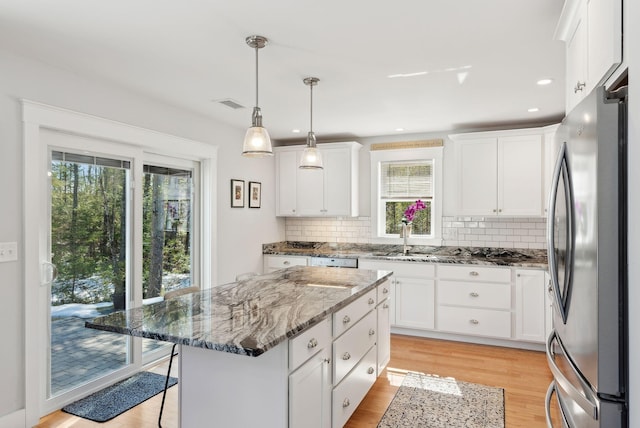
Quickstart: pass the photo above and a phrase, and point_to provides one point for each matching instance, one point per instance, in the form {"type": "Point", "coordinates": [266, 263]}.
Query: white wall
{"type": "Point", "coordinates": [240, 231]}
{"type": "Point", "coordinates": [632, 55]}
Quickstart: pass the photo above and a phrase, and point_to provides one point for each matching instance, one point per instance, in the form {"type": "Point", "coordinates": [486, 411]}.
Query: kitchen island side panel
{"type": "Point", "coordinates": [223, 389]}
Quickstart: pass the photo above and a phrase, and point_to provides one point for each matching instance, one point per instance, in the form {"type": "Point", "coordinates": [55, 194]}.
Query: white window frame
{"type": "Point", "coordinates": [435, 154]}
{"type": "Point", "coordinates": [39, 117]}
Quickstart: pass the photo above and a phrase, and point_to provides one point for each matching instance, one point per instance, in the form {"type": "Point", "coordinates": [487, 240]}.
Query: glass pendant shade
{"type": "Point", "coordinates": [257, 142]}
{"type": "Point", "coordinates": [311, 156]}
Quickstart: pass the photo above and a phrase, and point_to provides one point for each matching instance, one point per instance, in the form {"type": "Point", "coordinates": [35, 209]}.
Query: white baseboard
{"type": "Point", "coordinates": [13, 420]}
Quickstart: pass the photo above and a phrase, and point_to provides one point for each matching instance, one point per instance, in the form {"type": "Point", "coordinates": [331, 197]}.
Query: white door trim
{"type": "Point", "coordinates": [38, 116]}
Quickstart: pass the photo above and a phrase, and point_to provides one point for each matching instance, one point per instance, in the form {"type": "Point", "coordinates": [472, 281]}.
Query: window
{"type": "Point", "coordinates": [399, 178]}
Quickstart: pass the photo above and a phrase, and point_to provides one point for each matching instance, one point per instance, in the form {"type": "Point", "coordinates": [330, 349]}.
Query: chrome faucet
{"type": "Point", "coordinates": [405, 235]}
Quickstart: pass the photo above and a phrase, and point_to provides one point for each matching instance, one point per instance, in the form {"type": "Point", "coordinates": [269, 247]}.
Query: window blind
{"type": "Point", "coordinates": [411, 180]}
{"type": "Point", "coordinates": [89, 160]}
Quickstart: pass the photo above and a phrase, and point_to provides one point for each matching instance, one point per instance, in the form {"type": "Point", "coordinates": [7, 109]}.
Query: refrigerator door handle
{"type": "Point", "coordinates": [547, 407]}
{"type": "Point", "coordinates": [587, 399]}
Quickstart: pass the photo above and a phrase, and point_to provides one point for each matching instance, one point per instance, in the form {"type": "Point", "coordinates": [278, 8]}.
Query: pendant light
{"type": "Point", "coordinates": [257, 142]}
{"type": "Point", "coordinates": [311, 157]}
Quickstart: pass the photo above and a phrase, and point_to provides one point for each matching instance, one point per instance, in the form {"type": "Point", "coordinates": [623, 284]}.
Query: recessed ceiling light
{"type": "Point", "coordinates": [399, 129]}
{"type": "Point", "coordinates": [543, 82]}
{"type": "Point", "coordinates": [295, 131]}
{"type": "Point", "coordinates": [533, 109]}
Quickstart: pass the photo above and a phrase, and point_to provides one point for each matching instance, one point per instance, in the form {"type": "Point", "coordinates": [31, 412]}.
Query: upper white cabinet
{"type": "Point", "coordinates": [332, 191]}
{"type": "Point", "coordinates": [592, 30]}
{"type": "Point", "coordinates": [500, 173]}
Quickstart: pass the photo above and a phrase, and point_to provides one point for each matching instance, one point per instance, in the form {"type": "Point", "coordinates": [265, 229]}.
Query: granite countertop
{"type": "Point", "coordinates": [515, 257]}
{"type": "Point", "coordinates": [247, 317]}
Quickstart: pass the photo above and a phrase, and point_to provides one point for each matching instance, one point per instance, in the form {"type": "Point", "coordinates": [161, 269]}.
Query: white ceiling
{"type": "Point", "coordinates": [190, 53]}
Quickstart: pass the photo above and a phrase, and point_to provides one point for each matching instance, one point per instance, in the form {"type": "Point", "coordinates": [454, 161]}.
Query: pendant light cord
{"type": "Point", "coordinates": [311, 109]}
{"type": "Point", "coordinates": [256, 76]}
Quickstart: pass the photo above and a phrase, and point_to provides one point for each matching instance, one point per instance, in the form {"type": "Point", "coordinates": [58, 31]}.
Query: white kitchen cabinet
{"type": "Point", "coordinates": [474, 300]}
{"type": "Point", "coordinates": [592, 31]}
{"type": "Point", "coordinates": [274, 262]}
{"type": "Point", "coordinates": [531, 304]}
{"type": "Point", "coordinates": [412, 292]}
{"type": "Point", "coordinates": [551, 148]}
{"type": "Point", "coordinates": [384, 328]}
{"type": "Point", "coordinates": [332, 191]}
{"type": "Point", "coordinates": [310, 393]}
{"type": "Point", "coordinates": [500, 173]}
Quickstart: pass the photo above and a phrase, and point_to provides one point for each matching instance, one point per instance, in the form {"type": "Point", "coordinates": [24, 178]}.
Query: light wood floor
{"type": "Point", "coordinates": [523, 375]}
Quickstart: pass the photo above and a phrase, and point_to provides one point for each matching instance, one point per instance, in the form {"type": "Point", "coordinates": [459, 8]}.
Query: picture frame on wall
{"type": "Point", "coordinates": [237, 193]}
{"type": "Point", "coordinates": [255, 194]}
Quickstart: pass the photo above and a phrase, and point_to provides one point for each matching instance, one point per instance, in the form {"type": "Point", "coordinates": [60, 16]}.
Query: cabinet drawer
{"type": "Point", "coordinates": [306, 344]}
{"type": "Point", "coordinates": [474, 294]}
{"type": "Point", "coordinates": [481, 322]}
{"type": "Point", "coordinates": [417, 269]}
{"type": "Point", "coordinates": [348, 395]}
{"type": "Point", "coordinates": [384, 291]}
{"type": "Point", "coordinates": [349, 315]}
{"type": "Point", "coordinates": [281, 262]}
{"type": "Point", "coordinates": [474, 273]}
{"type": "Point", "coordinates": [351, 346]}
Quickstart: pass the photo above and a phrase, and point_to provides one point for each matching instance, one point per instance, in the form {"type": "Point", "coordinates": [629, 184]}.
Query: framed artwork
{"type": "Point", "coordinates": [237, 193]}
{"type": "Point", "coordinates": [255, 194]}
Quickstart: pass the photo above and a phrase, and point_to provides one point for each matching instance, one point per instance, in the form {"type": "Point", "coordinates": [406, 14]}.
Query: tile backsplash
{"type": "Point", "coordinates": [502, 232]}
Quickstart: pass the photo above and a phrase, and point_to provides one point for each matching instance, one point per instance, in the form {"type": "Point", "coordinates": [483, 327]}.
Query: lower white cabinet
{"type": "Point", "coordinates": [350, 392]}
{"type": "Point", "coordinates": [414, 302]}
{"type": "Point", "coordinates": [349, 348]}
{"type": "Point", "coordinates": [531, 304]}
{"type": "Point", "coordinates": [383, 311]}
{"type": "Point", "coordinates": [310, 393]}
{"type": "Point", "coordinates": [272, 263]}
{"type": "Point", "coordinates": [483, 301]}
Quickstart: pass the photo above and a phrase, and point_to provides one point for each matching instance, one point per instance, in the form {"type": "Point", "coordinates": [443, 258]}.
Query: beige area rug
{"type": "Point", "coordinates": [428, 401]}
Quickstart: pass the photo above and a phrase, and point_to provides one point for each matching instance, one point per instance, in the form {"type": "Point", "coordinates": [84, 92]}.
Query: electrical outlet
{"type": "Point", "coordinates": [8, 251]}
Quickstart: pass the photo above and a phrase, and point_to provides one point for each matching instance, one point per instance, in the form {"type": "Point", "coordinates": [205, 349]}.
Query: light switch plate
{"type": "Point", "coordinates": [8, 251]}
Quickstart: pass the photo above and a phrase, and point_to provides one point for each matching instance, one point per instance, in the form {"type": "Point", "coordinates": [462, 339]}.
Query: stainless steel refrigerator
{"type": "Point", "coordinates": [587, 227]}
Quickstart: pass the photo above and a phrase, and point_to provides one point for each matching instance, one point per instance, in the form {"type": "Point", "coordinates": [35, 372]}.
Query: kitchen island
{"type": "Point", "coordinates": [262, 352]}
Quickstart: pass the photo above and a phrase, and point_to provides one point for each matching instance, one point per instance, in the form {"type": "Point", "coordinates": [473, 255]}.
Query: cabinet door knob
{"type": "Point", "coordinates": [286, 262]}
{"type": "Point", "coordinates": [579, 87]}
{"type": "Point", "coordinates": [346, 319]}
{"type": "Point", "coordinates": [371, 332]}
{"type": "Point", "coordinates": [473, 294]}
{"type": "Point", "coordinates": [327, 360]}
{"type": "Point", "coordinates": [474, 273]}
{"type": "Point", "coordinates": [474, 321]}
{"type": "Point", "coordinates": [385, 306]}
{"type": "Point", "coordinates": [385, 290]}
{"type": "Point", "coordinates": [346, 356]}
{"type": "Point", "coordinates": [371, 301]}
{"type": "Point", "coordinates": [370, 370]}
{"type": "Point", "coordinates": [494, 210]}
{"type": "Point", "coordinates": [312, 343]}
{"type": "Point", "coordinates": [346, 403]}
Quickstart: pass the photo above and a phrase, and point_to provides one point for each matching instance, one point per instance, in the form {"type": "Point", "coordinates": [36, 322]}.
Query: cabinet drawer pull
{"type": "Point", "coordinates": [286, 262]}
{"type": "Point", "coordinates": [474, 273]}
{"type": "Point", "coordinates": [327, 360]}
{"type": "Point", "coordinates": [474, 321]}
{"type": "Point", "coordinates": [312, 343]}
{"type": "Point", "coordinates": [473, 294]}
{"type": "Point", "coordinates": [346, 403]}
{"type": "Point", "coordinates": [371, 301]}
{"type": "Point", "coordinates": [371, 332]}
{"type": "Point", "coordinates": [385, 290]}
{"type": "Point", "coordinates": [385, 306]}
{"type": "Point", "coordinates": [346, 356]}
{"type": "Point", "coordinates": [370, 370]}
{"type": "Point", "coordinates": [346, 319]}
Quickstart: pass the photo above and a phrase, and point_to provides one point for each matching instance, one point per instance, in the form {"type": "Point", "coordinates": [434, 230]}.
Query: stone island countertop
{"type": "Point", "coordinates": [247, 317]}
{"type": "Point", "coordinates": [516, 257]}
